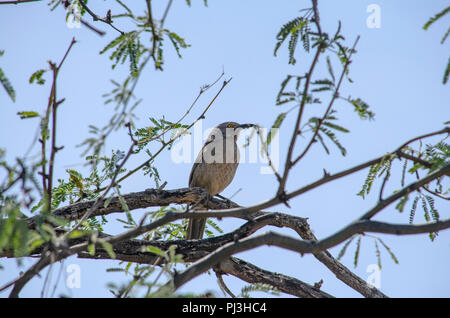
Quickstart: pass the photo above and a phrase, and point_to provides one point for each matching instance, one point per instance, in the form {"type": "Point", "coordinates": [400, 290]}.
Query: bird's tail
{"type": "Point", "coordinates": [196, 227]}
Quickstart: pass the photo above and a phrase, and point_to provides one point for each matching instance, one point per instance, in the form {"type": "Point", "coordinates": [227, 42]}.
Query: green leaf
{"type": "Point", "coordinates": [115, 270]}
{"type": "Point", "coordinates": [446, 72]}
{"type": "Point", "coordinates": [107, 201]}
{"type": "Point", "coordinates": [358, 248]}
{"type": "Point", "coordinates": [294, 28]}
{"type": "Point", "coordinates": [214, 225]}
{"type": "Point", "coordinates": [434, 212]}
{"type": "Point", "coordinates": [276, 125]}
{"type": "Point", "coordinates": [383, 166]}
{"type": "Point", "coordinates": [37, 76]}
{"type": "Point", "coordinates": [330, 69]}
{"type": "Point", "coordinates": [436, 17]}
{"type": "Point", "coordinates": [157, 251]}
{"type": "Point", "coordinates": [362, 108]}
{"type": "Point", "coordinates": [378, 254]}
{"type": "Point", "coordinates": [124, 204]}
{"type": "Point", "coordinates": [322, 142]}
{"type": "Point", "coordinates": [114, 42]}
{"type": "Point", "coordinates": [445, 36]}
{"type": "Point", "coordinates": [344, 248]}
{"type": "Point", "coordinates": [401, 204]}
{"type": "Point", "coordinates": [334, 139]}
{"type": "Point", "coordinates": [394, 258]}
{"type": "Point", "coordinates": [7, 86]}
{"type": "Point", "coordinates": [177, 41]}
{"type": "Point", "coordinates": [108, 247]}
{"type": "Point", "coordinates": [91, 249]}
{"type": "Point", "coordinates": [76, 178]}
{"type": "Point", "coordinates": [336, 127]}
{"type": "Point", "coordinates": [27, 114]}
{"type": "Point", "coordinates": [413, 210]}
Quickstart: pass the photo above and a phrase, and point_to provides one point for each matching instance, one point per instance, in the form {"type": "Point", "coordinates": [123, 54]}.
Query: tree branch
{"type": "Point", "coordinates": [253, 275]}
{"type": "Point", "coordinates": [97, 18]}
{"type": "Point", "coordinates": [302, 247]}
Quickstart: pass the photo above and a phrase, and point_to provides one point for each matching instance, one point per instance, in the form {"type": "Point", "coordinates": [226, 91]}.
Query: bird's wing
{"type": "Point", "coordinates": [199, 160]}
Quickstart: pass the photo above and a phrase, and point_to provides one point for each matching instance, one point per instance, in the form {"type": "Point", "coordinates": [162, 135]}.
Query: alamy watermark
{"type": "Point", "coordinates": [73, 279]}
{"type": "Point", "coordinates": [73, 19]}
{"type": "Point", "coordinates": [217, 146]}
{"type": "Point", "coordinates": [374, 19]}
{"type": "Point", "coordinates": [374, 279]}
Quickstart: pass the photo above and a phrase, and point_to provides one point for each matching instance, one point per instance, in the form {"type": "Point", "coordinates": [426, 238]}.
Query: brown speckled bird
{"type": "Point", "coordinates": [215, 167]}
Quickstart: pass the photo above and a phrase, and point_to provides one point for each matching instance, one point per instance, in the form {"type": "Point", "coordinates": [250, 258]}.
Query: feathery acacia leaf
{"type": "Point", "coordinates": [275, 126]}
{"type": "Point", "coordinates": [344, 248]}
{"type": "Point", "coordinates": [362, 108]}
{"type": "Point", "coordinates": [375, 171]}
{"type": "Point", "coordinates": [358, 248]}
{"type": "Point", "coordinates": [7, 86]}
{"type": "Point", "coordinates": [436, 17]}
{"type": "Point", "coordinates": [294, 28]}
{"type": "Point", "coordinates": [394, 258]}
{"type": "Point", "coordinates": [27, 114]}
{"type": "Point", "coordinates": [334, 139]}
{"type": "Point", "coordinates": [330, 69]}
{"type": "Point", "coordinates": [446, 72]}
{"type": "Point", "coordinates": [37, 76]}
{"type": "Point", "coordinates": [413, 210]}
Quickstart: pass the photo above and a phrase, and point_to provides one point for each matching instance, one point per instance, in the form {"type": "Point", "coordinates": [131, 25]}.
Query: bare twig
{"type": "Point", "coordinates": [222, 284]}
{"type": "Point", "coordinates": [202, 90]}
{"type": "Point", "coordinates": [150, 22]}
{"type": "Point", "coordinates": [97, 18]}
{"type": "Point", "coordinates": [165, 144]}
{"type": "Point", "coordinates": [317, 17]}
{"type": "Point", "coordinates": [17, 1]}
{"type": "Point", "coordinates": [295, 133]}
{"type": "Point", "coordinates": [439, 132]}
{"type": "Point", "coordinates": [47, 178]}
{"type": "Point", "coordinates": [439, 195]}
{"type": "Point", "coordinates": [330, 105]}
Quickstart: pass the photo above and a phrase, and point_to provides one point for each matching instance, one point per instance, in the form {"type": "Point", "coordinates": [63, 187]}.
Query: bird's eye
{"type": "Point", "coordinates": [230, 125]}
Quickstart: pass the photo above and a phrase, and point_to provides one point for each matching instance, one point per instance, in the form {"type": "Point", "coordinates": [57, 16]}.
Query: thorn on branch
{"type": "Point", "coordinates": [318, 285]}
{"type": "Point", "coordinates": [283, 198]}
{"type": "Point", "coordinates": [60, 102]}
{"type": "Point", "coordinates": [108, 16]}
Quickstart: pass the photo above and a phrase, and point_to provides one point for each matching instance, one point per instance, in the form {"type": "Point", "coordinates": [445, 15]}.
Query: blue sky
{"type": "Point", "coordinates": [398, 71]}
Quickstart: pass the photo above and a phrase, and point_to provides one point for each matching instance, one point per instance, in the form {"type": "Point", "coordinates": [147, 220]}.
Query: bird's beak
{"type": "Point", "coordinates": [244, 126]}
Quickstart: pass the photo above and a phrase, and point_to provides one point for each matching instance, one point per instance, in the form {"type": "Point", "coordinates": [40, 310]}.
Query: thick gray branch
{"type": "Point", "coordinates": [253, 274]}
{"type": "Point", "coordinates": [300, 246]}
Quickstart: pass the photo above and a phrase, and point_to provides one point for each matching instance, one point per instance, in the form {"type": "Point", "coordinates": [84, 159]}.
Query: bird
{"type": "Point", "coordinates": [215, 167]}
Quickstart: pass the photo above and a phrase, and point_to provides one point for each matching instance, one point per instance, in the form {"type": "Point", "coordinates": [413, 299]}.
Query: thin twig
{"type": "Point", "coordinates": [222, 284]}
{"type": "Point", "coordinates": [97, 18]}
{"type": "Point", "coordinates": [165, 144]}
{"type": "Point", "coordinates": [47, 178]}
{"type": "Point", "coordinates": [330, 105]}
{"type": "Point", "coordinates": [150, 21]}
{"type": "Point", "coordinates": [295, 133]}
{"type": "Point", "coordinates": [17, 1]}
{"type": "Point", "coordinates": [202, 90]}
